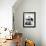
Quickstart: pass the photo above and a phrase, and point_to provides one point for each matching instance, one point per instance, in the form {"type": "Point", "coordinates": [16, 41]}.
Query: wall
{"type": "Point", "coordinates": [43, 22]}
{"type": "Point", "coordinates": [27, 5]}
{"type": "Point", "coordinates": [29, 33]}
{"type": "Point", "coordinates": [6, 13]}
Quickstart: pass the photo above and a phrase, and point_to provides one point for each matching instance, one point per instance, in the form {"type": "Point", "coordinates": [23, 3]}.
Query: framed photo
{"type": "Point", "coordinates": [29, 19]}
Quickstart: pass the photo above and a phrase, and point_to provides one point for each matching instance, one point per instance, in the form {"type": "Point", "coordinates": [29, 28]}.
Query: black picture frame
{"type": "Point", "coordinates": [29, 19]}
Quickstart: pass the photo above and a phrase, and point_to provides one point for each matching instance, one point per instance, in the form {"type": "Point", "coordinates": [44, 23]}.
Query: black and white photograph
{"type": "Point", "coordinates": [29, 19]}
